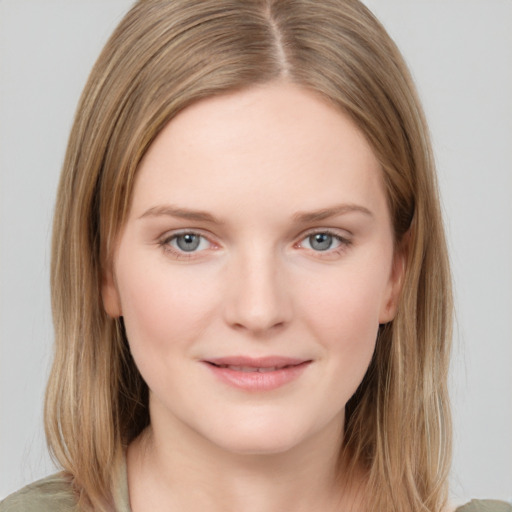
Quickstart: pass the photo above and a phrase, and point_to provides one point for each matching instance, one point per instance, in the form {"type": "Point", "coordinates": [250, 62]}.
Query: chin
{"type": "Point", "coordinates": [260, 445]}
{"type": "Point", "coordinates": [261, 436]}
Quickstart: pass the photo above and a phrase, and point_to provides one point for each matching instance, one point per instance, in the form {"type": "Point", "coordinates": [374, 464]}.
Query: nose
{"type": "Point", "coordinates": [259, 298]}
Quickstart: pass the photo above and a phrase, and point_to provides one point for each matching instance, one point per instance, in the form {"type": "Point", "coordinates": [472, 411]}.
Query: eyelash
{"type": "Point", "coordinates": [344, 243]}
{"type": "Point", "coordinates": [165, 243]}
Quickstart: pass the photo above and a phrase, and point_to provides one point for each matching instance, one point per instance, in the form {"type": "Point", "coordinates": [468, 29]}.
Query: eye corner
{"type": "Point", "coordinates": [175, 244]}
{"type": "Point", "coordinates": [334, 243]}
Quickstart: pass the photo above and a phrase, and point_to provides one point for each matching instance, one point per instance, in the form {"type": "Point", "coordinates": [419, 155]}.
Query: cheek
{"type": "Point", "coordinates": [347, 306]}
{"type": "Point", "coordinates": [343, 316]}
{"type": "Point", "coordinates": [348, 331]}
{"type": "Point", "coordinates": [164, 308]}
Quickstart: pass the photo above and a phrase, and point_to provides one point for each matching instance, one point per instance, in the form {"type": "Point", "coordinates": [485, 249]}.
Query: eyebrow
{"type": "Point", "coordinates": [299, 217]}
{"type": "Point", "coordinates": [181, 213]}
{"type": "Point", "coordinates": [326, 213]}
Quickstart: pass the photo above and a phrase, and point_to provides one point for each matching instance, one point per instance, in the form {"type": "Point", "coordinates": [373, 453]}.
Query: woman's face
{"type": "Point", "coordinates": [254, 269]}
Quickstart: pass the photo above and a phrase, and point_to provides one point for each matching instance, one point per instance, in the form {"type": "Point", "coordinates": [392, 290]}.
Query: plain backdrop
{"type": "Point", "coordinates": [460, 53]}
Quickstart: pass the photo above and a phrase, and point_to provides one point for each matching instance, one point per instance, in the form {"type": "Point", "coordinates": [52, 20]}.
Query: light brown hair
{"type": "Point", "coordinates": [164, 56]}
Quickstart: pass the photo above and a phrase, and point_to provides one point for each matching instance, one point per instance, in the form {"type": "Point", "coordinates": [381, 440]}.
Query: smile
{"type": "Point", "coordinates": [257, 374]}
{"type": "Point", "coordinates": [252, 369]}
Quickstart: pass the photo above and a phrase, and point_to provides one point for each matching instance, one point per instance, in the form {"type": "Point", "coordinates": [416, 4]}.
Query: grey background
{"type": "Point", "coordinates": [460, 52]}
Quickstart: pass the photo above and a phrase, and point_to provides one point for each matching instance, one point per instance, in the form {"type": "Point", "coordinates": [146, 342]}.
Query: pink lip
{"type": "Point", "coordinates": [277, 371]}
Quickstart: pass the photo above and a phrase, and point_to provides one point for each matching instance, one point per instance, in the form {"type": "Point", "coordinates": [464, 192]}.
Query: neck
{"type": "Point", "coordinates": [196, 475]}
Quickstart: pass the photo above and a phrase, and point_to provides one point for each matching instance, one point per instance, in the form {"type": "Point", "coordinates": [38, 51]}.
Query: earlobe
{"type": "Point", "coordinates": [110, 295]}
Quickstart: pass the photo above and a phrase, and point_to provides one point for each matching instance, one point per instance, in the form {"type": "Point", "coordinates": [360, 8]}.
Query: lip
{"type": "Point", "coordinates": [257, 373]}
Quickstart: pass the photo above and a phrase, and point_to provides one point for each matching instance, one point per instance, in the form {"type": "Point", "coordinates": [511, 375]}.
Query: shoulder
{"type": "Point", "coordinates": [51, 494]}
{"type": "Point", "coordinates": [486, 506]}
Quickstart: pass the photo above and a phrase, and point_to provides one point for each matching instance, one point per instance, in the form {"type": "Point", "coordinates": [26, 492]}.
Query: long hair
{"type": "Point", "coordinates": [164, 56]}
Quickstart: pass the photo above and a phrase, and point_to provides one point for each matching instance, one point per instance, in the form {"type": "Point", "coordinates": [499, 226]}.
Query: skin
{"type": "Point", "coordinates": [257, 285]}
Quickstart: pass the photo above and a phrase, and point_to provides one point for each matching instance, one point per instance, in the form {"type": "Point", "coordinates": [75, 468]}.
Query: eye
{"type": "Point", "coordinates": [187, 242]}
{"type": "Point", "coordinates": [321, 241]}
{"type": "Point", "coordinates": [324, 241]}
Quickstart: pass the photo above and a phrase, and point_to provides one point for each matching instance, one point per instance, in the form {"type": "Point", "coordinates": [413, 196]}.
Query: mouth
{"type": "Point", "coordinates": [252, 368]}
{"type": "Point", "coordinates": [257, 374]}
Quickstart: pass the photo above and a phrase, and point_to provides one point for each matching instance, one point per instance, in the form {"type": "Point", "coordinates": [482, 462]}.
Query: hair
{"type": "Point", "coordinates": [164, 56]}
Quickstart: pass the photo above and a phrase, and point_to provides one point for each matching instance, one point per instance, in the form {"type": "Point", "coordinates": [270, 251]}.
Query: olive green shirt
{"type": "Point", "coordinates": [54, 494]}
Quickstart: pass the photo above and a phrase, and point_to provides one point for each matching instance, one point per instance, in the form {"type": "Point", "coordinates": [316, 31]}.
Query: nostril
{"type": "Point", "coordinates": [258, 299]}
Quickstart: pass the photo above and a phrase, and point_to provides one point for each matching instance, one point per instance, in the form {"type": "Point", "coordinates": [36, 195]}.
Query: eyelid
{"type": "Point", "coordinates": [342, 234]}
{"type": "Point", "coordinates": [168, 235]}
{"type": "Point", "coordinates": [344, 240]}
{"type": "Point", "coordinates": [165, 239]}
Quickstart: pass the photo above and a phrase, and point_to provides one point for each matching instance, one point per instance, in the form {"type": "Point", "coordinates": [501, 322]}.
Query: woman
{"type": "Point", "coordinates": [250, 282]}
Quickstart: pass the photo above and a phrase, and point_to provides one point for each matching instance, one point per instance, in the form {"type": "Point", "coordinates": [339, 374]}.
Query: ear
{"type": "Point", "coordinates": [391, 297]}
{"type": "Point", "coordinates": [110, 295]}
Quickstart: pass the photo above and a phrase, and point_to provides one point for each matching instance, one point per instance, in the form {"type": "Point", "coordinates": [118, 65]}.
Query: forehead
{"type": "Point", "coordinates": [277, 144]}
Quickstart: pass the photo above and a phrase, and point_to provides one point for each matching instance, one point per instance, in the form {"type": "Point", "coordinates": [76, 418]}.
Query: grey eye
{"type": "Point", "coordinates": [320, 241]}
{"type": "Point", "coordinates": [188, 242]}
